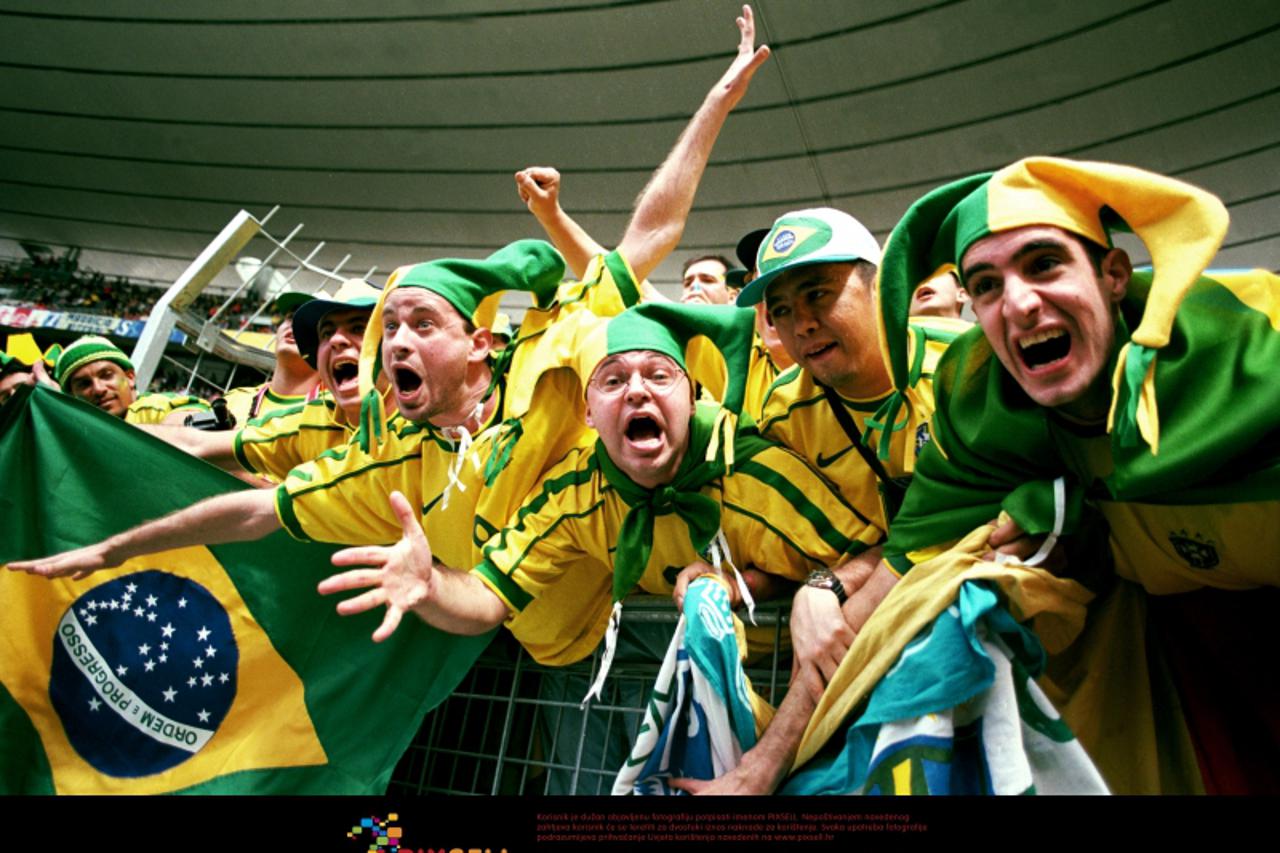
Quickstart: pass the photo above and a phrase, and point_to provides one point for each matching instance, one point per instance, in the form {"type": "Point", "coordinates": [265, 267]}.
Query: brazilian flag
{"type": "Point", "coordinates": [198, 670]}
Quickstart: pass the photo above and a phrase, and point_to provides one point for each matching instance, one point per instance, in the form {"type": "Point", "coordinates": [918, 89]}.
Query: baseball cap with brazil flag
{"type": "Point", "coordinates": [819, 235]}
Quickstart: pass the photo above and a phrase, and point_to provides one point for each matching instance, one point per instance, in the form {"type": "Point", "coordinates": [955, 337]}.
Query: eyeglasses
{"type": "Point", "coordinates": [658, 375]}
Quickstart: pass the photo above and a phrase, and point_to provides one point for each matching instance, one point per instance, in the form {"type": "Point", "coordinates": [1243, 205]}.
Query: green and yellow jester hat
{"type": "Point", "coordinates": [474, 288]}
{"type": "Point", "coordinates": [51, 356]}
{"type": "Point", "coordinates": [11, 364]}
{"type": "Point", "coordinates": [1181, 225]}
{"type": "Point", "coordinates": [710, 343]}
{"type": "Point", "coordinates": [87, 350]}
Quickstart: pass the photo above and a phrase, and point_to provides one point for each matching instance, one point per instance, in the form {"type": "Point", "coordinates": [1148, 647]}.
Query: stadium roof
{"type": "Point", "coordinates": [392, 128]}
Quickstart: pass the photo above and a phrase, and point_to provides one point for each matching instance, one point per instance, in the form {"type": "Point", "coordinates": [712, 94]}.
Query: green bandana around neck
{"type": "Point", "coordinates": [682, 496]}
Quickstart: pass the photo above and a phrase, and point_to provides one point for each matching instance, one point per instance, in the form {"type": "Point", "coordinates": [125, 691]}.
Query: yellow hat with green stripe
{"type": "Point", "coordinates": [87, 350]}
{"type": "Point", "coordinates": [1181, 225]}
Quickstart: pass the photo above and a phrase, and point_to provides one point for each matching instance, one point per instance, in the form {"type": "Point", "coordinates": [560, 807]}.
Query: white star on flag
{"type": "Point", "coordinates": [163, 658]}
{"type": "Point", "coordinates": [222, 678]}
{"type": "Point", "coordinates": [133, 587]}
{"type": "Point", "coordinates": [191, 682]}
{"type": "Point", "coordinates": [121, 670]}
{"type": "Point", "coordinates": [206, 680]}
{"type": "Point", "coordinates": [91, 619]}
{"type": "Point", "coordinates": [151, 617]}
{"type": "Point", "coordinates": [151, 601]}
{"type": "Point", "coordinates": [182, 602]}
{"type": "Point", "coordinates": [137, 611]}
{"type": "Point", "coordinates": [149, 665]}
{"type": "Point", "coordinates": [167, 630]}
{"type": "Point", "coordinates": [94, 704]}
{"type": "Point", "coordinates": [210, 651]}
{"type": "Point", "coordinates": [144, 650]}
{"type": "Point", "coordinates": [164, 647]}
{"type": "Point", "coordinates": [198, 663]}
{"type": "Point", "coordinates": [169, 694]}
{"type": "Point", "coordinates": [203, 633]}
{"type": "Point", "coordinates": [203, 715]}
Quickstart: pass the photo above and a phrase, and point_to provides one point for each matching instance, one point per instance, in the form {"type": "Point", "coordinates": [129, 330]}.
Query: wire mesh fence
{"type": "Point", "coordinates": [517, 727]}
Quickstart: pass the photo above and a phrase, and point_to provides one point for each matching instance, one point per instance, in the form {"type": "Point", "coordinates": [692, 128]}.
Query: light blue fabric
{"type": "Point", "coordinates": [959, 713]}
{"type": "Point", "coordinates": [699, 720]}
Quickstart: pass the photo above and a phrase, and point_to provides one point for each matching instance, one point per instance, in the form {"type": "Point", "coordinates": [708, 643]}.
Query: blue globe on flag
{"type": "Point", "coordinates": [144, 672]}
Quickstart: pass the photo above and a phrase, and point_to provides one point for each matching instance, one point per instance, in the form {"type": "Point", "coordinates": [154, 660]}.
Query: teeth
{"type": "Point", "coordinates": [1040, 337]}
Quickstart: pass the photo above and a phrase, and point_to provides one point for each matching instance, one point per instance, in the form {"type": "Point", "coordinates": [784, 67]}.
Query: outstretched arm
{"type": "Point", "coordinates": [539, 188]}
{"type": "Point", "coordinates": [214, 447]}
{"type": "Point", "coordinates": [237, 517]}
{"type": "Point", "coordinates": [405, 579]}
{"type": "Point", "coordinates": [663, 206]}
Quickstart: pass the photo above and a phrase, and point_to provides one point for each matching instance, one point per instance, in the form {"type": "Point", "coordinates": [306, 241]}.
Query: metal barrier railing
{"type": "Point", "coordinates": [516, 727]}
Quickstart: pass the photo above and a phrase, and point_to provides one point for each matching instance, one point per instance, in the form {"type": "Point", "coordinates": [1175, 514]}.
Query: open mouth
{"type": "Point", "coordinates": [923, 294]}
{"type": "Point", "coordinates": [1044, 348]}
{"type": "Point", "coordinates": [345, 373]}
{"type": "Point", "coordinates": [643, 433]}
{"type": "Point", "coordinates": [406, 380]}
{"type": "Point", "coordinates": [642, 428]}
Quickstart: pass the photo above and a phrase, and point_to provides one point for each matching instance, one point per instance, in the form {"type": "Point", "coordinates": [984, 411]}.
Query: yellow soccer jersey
{"type": "Point", "coordinates": [797, 415]}
{"type": "Point", "coordinates": [760, 378]}
{"type": "Point", "coordinates": [254, 401]}
{"type": "Point", "coordinates": [154, 408]}
{"type": "Point", "coordinates": [341, 495]}
{"type": "Point", "coordinates": [553, 565]}
{"type": "Point", "coordinates": [276, 443]}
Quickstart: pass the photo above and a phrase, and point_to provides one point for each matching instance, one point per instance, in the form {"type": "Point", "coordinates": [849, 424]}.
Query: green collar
{"type": "Point", "coordinates": [682, 496]}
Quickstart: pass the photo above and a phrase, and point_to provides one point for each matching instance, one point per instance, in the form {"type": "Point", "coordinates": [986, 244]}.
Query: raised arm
{"type": "Point", "coordinates": [539, 188]}
{"type": "Point", "coordinates": [236, 517]}
{"type": "Point", "coordinates": [663, 206]}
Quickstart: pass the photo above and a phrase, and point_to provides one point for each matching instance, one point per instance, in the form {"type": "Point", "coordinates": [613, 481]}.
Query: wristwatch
{"type": "Point", "coordinates": [826, 579]}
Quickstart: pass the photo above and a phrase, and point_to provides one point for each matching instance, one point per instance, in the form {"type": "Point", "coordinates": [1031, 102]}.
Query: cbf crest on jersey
{"type": "Point", "coordinates": [144, 672]}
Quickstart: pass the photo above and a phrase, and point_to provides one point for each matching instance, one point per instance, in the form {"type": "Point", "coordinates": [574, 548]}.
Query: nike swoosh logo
{"type": "Point", "coordinates": [823, 462]}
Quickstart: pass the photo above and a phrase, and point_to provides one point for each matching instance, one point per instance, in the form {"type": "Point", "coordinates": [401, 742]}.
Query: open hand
{"type": "Point", "coordinates": [733, 85]}
{"type": "Point", "coordinates": [402, 575]}
{"type": "Point", "coordinates": [79, 563]}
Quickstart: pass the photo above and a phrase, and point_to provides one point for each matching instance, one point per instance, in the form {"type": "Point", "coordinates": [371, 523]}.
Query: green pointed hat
{"type": "Point", "coordinates": [87, 350]}
{"type": "Point", "coordinates": [474, 289]}
{"type": "Point", "coordinates": [711, 343]}
{"type": "Point", "coordinates": [1181, 225]}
